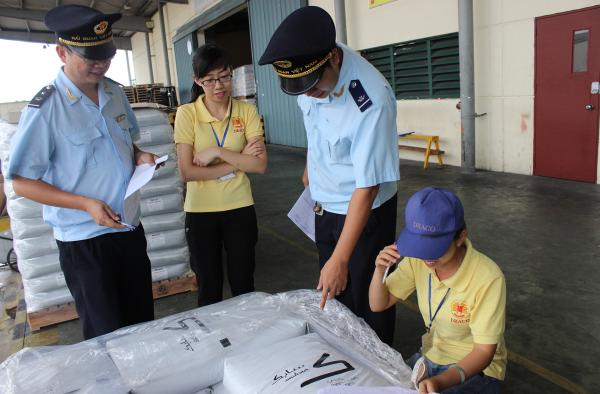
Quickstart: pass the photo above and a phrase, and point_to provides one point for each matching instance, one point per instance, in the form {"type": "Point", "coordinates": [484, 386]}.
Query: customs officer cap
{"type": "Point", "coordinates": [84, 29]}
{"type": "Point", "coordinates": [299, 49]}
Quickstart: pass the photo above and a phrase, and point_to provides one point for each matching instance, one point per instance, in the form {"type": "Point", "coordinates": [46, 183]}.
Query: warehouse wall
{"type": "Point", "coordinates": [504, 70]}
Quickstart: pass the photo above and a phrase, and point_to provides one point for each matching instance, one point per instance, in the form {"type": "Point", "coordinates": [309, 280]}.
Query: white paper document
{"type": "Point", "coordinates": [302, 214]}
{"type": "Point", "coordinates": [142, 175]}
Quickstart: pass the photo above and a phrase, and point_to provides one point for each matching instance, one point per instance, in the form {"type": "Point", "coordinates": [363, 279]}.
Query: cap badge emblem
{"type": "Point", "coordinates": [101, 27]}
{"type": "Point", "coordinates": [283, 64]}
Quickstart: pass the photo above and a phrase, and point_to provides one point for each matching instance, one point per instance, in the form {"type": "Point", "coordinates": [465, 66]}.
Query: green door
{"type": "Point", "coordinates": [282, 117]}
{"type": "Point", "coordinates": [184, 51]}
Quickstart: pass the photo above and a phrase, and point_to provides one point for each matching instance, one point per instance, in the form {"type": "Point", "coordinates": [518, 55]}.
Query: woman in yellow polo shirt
{"type": "Point", "coordinates": [219, 140]}
{"type": "Point", "coordinates": [461, 295]}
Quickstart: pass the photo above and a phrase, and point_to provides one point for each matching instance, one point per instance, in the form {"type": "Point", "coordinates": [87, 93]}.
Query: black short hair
{"type": "Point", "coordinates": [207, 58]}
{"type": "Point", "coordinates": [457, 233]}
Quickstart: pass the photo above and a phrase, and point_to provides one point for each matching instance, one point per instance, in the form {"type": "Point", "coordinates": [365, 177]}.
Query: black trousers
{"type": "Point", "coordinates": [379, 231]}
{"type": "Point", "coordinates": [208, 233]}
{"type": "Point", "coordinates": [109, 277]}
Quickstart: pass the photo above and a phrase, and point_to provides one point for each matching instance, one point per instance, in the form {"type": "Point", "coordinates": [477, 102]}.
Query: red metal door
{"type": "Point", "coordinates": [567, 62]}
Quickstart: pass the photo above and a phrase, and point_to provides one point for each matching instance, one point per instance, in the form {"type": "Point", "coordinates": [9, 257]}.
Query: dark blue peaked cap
{"type": "Point", "coordinates": [84, 29]}
{"type": "Point", "coordinates": [300, 47]}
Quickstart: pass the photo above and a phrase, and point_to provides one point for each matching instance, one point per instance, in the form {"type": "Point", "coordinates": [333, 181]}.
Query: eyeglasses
{"type": "Point", "coordinates": [209, 83]}
{"type": "Point", "coordinates": [91, 62]}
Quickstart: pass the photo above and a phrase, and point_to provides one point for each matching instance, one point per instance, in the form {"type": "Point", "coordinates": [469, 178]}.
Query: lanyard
{"type": "Point", "coordinates": [431, 319]}
{"type": "Point", "coordinates": [222, 142]}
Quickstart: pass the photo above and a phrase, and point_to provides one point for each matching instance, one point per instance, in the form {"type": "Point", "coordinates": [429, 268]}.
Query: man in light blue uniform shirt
{"type": "Point", "coordinates": [73, 152]}
{"type": "Point", "coordinates": [352, 168]}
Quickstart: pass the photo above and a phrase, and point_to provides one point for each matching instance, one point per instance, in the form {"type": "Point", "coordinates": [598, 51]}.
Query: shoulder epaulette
{"type": "Point", "coordinates": [359, 95]}
{"type": "Point", "coordinates": [42, 96]}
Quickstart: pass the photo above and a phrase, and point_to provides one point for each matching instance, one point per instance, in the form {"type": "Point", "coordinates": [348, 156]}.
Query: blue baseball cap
{"type": "Point", "coordinates": [432, 218]}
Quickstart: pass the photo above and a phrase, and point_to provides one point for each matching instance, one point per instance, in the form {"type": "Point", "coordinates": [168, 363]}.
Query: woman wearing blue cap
{"type": "Point", "coordinates": [461, 295]}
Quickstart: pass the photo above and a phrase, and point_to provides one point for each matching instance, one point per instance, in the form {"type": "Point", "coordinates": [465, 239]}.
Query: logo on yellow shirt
{"type": "Point", "coordinates": [238, 125]}
{"type": "Point", "coordinates": [460, 312]}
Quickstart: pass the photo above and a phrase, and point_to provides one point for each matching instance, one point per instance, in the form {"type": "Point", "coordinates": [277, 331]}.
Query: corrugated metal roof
{"type": "Point", "coordinates": [23, 19]}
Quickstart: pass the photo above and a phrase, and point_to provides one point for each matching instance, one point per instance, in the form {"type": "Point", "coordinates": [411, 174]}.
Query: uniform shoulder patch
{"type": "Point", "coordinates": [359, 95]}
{"type": "Point", "coordinates": [42, 96]}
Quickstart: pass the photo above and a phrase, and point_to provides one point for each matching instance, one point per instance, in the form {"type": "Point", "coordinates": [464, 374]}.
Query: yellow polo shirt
{"type": "Point", "coordinates": [474, 311]}
{"type": "Point", "coordinates": [193, 127]}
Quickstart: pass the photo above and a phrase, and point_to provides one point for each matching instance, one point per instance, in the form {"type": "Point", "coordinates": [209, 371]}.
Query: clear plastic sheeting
{"type": "Point", "coordinates": [295, 366]}
{"type": "Point", "coordinates": [82, 368]}
{"type": "Point", "coordinates": [186, 353]}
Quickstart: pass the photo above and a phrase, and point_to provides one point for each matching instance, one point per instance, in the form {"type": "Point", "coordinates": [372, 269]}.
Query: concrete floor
{"type": "Point", "coordinates": [543, 233]}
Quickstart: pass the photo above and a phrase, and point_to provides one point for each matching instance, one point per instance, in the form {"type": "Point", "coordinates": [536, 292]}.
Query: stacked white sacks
{"type": "Point", "coordinates": [37, 252]}
{"type": "Point", "coordinates": [244, 84]}
{"type": "Point", "coordinates": [161, 203]}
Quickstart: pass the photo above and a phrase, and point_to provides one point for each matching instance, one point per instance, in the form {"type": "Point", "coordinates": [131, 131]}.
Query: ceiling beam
{"type": "Point", "coordinates": [50, 38]}
{"type": "Point", "coordinates": [128, 23]}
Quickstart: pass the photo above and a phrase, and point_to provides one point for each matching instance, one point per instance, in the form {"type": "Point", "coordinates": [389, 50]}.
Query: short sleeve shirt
{"type": "Point", "coordinates": [474, 310]}
{"type": "Point", "coordinates": [352, 141]}
{"type": "Point", "coordinates": [78, 147]}
{"type": "Point", "coordinates": [194, 126]}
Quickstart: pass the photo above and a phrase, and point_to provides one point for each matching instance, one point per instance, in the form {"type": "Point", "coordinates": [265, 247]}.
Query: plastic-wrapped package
{"type": "Point", "coordinates": [38, 301]}
{"type": "Point", "coordinates": [169, 271]}
{"type": "Point", "coordinates": [168, 221]}
{"type": "Point", "coordinates": [162, 186]}
{"type": "Point", "coordinates": [149, 116]}
{"type": "Point", "coordinates": [342, 330]}
{"type": "Point", "coordinates": [52, 281]}
{"type": "Point", "coordinates": [82, 368]}
{"type": "Point", "coordinates": [155, 134]}
{"type": "Point", "coordinates": [243, 83]}
{"type": "Point", "coordinates": [166, 239]}
{"type": "Point", "coordinates": [29, 228]}
{"type": "Point", "coordinates": [295, 366]}
{"type": "Point", "coordinates": [161, 204]}
{"type": "Point", "coordinates": [161, 150]}
{"type": "Point", "coordinates": [348, 334]}
{"type": "Point", "coordinates": [21, 207]}
{"type": "Point", "coordinates": [160, 258]}
{"type": "Point", "coordinates": [39, 266]}
{"type": "Point", "coordinates": [34, 247]}
{"type": "Point", "coordinates": [155, 361]}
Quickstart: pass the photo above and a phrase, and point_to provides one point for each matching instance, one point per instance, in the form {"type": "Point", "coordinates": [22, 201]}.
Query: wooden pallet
{"type": "Point", "coordinates": [65, 312]}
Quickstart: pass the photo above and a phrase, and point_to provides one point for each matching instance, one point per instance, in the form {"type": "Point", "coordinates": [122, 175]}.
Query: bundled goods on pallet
{"type": "Point", "coordinates": [161, 202]}
{"type": "Point", "coordinates": [243, 83]}
{"type": "Point", "coordinates": [151, 93]}
{"type": "Point", "coordinates": [254, 343]}
{"type": "Point", "coordinates": [33, 241]}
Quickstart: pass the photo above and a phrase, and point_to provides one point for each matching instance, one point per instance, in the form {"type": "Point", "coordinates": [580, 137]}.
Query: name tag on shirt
{"type": "Point", "coordinates": [226, 177]}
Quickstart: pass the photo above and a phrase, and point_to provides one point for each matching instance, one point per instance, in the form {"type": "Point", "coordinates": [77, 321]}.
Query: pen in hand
{"type": "Point", "coordinates": [387, 270]}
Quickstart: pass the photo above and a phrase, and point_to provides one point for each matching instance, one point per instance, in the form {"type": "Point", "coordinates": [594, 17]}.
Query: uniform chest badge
{"type": "Point", "coordinates": [361, 98]}
{"type": "Point", "coordinates": [120, 118]}
{"type": "Point", "coordinates": [460, 309]}
{"type": "Point", "coordinates": [238, 125]}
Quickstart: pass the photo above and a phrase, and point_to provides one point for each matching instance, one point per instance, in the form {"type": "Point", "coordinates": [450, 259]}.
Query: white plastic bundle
{"type": "Point", "coordinates": [243, 83]}
{"type": "Point", "coordinates": [167, 221]}
{"type": "Point", "coordinates": [33, 241]}
{"type": "Point", "coordinates": [161, 205]}
{"type": "Point", "coordinates": [299, 365]}
{"type": "Point", "coordinates": [186, 353]}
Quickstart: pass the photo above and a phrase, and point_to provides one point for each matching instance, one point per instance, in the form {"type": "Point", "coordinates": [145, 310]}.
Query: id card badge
{"type": "Point", "coordinates": [226, 177]}
{"type": "Point", "coordinates": [426, 342]}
